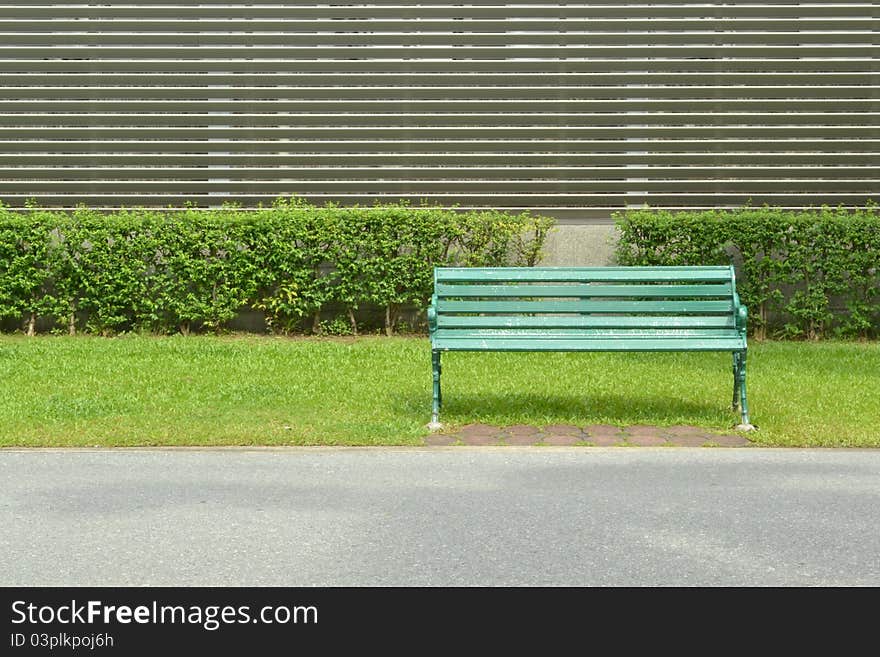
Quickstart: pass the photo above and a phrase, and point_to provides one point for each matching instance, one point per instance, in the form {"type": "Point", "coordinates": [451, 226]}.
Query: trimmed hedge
{"type": "Point", "coordinates": [164, 271]}
{"type": "Point", "coordinates": [803, 274]}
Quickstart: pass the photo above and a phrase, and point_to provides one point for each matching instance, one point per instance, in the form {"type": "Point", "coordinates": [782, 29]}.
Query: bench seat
{"type": "Point", "coordinates": [639, 309]}
{"type": "Point", "coordinates": [621, 342]}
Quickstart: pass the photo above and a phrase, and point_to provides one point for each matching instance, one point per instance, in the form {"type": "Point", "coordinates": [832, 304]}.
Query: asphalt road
{"type": "Point", "coordinates": [440, 517]}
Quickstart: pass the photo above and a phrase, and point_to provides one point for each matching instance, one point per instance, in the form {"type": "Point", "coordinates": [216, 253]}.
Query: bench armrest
{"type": "Point", "coordinates": [742, 315]}
{"type": "Point", "coordinates": [432, 318]}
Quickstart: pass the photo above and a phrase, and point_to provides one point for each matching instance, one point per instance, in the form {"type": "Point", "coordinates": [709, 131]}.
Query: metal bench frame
{"type": "Point", "coordinates": [588, 309]}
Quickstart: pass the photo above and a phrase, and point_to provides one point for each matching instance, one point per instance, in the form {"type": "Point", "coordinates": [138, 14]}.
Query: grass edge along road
{"type": "Point", "coordinates": [258, 390]}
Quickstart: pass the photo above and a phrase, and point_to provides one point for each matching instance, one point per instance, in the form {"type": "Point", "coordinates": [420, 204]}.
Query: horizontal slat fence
{"type": "Point", "coordinates": [568, 109]}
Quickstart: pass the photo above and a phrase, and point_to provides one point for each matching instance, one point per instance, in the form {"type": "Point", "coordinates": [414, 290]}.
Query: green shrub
{"type": "Point", "coordinates": [293, 242]}
{"type": "Point", "coordinates": [28, 245]}
{"type": "Point", "coordinates": [166, 271]}
{"type": "Point", "coordinates": [803, 273]}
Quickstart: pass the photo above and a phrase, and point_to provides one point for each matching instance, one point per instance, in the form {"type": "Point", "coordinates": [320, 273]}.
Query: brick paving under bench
{"type": "Point", "coordinates": [594, 434]}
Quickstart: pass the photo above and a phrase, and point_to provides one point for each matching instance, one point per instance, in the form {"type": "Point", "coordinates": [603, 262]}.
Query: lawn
{"type": "Point", "coordinates": [249, 390]}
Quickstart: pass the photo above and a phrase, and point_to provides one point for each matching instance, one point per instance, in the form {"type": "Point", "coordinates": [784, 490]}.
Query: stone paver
{"type": "Point", "coordinates": [679, 430]}
{"type": "Point", "coordinates": [694, 440]}
{"type": "Point", "coordinates": [480, 434]}
{"type": "Point", "coordinates": [607, 441]}
{"type": "Point", "coordinates": [646, 440]}
{"type": "Point", "coordinates": [479, 430]}
{"type": "Point", "coordinates": [563, 430]}
{"type": "Point", "coordinates": [561, 439]}
{"type": "Point", "coordinates": [641, 431]}
{"type": "Point", "coordinates": [522, 431]}
{"type": "Point", "coordinates": [600, 435]}
{"type": "Point", "coordinates": [521, 434]}
{"type": "Point", "coordinates": [522, 439]}
{"type": "Point", "coordinates": [480, 440]}
{"type": "Point", "coordinates": [602, 431]}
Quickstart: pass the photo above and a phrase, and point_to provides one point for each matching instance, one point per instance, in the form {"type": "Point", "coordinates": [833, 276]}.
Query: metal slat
{"type": "Point", "coordinates": [588, 98]}
{"type": "Point", "coordinates": [571, 189]}
{"type": "Point", "coordinates": [582, 291]}
{"type": "Point", "coordinates": [575, 208]}
{"type": "Point", "coordinates": [706, 274]}
{"type": "Point", "coordinates": [442, 334]}
{"type": "Point", "coordinates": [406, 101]}
{"type": "Point", "coordinates": [768, 84]}
{"type": "Point", "coordinates": [582, 335]}
{"type": "Point", "coordinates": [751, 66]}
{"type": "Point", "coordinates": [376, 10]}
{"type": "Point", "coordinates": [801, 39]}
{"type": "Point", "coordinates": [581, 322]}
{"type": "Point", "coordinates": [720, 51]}
{"type": "Point", "coordinates": [639, 148]}
{"type": "Point", "coordinates": [165, 171]}
{"type": "Point", "coordinates": [628, 307]}
{"type": "Point", "coordinates": [439, 119]}
{"type": "Point", "coordinates": [89, 22]}
{"type": "Point", "coordinates": [845, 164]}
{"type": "Point", "coordinates": [611, 344]}
{"type": "Point", "coordinates": [498, 133]}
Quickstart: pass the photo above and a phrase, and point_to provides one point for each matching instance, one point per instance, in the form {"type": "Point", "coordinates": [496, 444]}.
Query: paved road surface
{"type": "Point", "coordinates": [437, 517]}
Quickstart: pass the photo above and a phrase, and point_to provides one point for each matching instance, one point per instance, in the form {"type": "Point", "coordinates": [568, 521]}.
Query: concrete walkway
{"type": "Point", "coordinates": [440, 516]}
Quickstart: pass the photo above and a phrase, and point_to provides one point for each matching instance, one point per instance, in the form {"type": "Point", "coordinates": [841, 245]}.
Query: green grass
{"type": "Point", "coordinates": [199, 390]}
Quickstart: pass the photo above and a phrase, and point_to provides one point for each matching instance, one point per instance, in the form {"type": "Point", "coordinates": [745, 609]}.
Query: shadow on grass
{"type": "Point", "coordinates": [616, 409]}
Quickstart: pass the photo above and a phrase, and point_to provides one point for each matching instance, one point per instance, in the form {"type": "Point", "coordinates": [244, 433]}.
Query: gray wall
{"type": "Point", "coordinates": [580, 246]}
{"type": "Point", "coordinates": [573, 110]}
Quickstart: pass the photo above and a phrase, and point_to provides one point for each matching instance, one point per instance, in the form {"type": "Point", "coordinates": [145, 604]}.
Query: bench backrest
{"type": "Point", "coordinates": [692, 300]}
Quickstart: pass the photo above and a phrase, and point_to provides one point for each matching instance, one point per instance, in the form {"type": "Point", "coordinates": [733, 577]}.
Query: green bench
{"type": "Point", "coordinates": [588, 309]}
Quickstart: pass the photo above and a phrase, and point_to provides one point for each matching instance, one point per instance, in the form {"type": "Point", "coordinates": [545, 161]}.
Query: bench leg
{"type": "Point", "coordinates": [746, 425]}
{"type": "Point", "coordinates": [735, 404]}
{"type": "Point", "coordinates": [435, 408]}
